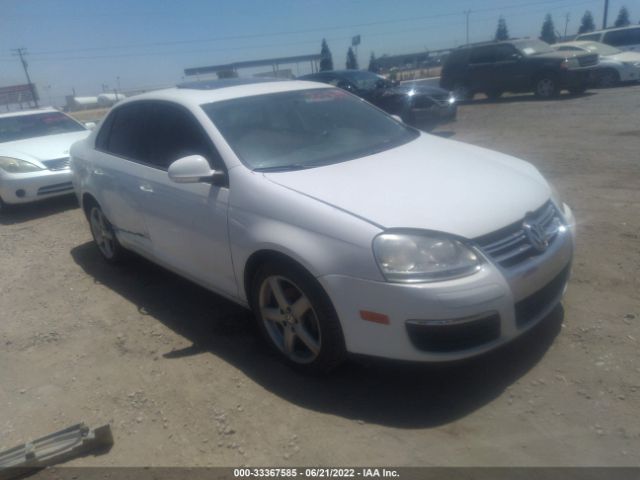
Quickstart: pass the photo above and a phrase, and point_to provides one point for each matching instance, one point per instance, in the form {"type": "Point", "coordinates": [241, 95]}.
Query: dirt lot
{"type": "Point", "coordinates": [183, 380]}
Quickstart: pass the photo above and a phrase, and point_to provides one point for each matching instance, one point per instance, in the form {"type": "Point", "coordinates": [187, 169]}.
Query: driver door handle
{"type": "Point", "coordinates": [145, 187]}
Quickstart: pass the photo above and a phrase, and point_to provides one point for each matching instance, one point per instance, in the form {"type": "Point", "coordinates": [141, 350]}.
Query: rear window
{"type": "Point", "coordinates": [592, 36]}
{"type": "Point", "coordinates": [36, 125]}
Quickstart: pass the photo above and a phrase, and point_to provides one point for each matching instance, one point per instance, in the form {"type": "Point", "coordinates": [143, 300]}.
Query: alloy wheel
{"type": "Point", "coordinates": [546, 87]}
{"type": "Point", "coordinates": [102, 233]}
{"type": "Point", "coordinates": [290, 319]}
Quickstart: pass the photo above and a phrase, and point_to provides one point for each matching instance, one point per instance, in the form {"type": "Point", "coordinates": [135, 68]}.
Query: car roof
{"type": "Point", "coordinates": [194, 94]}
{"type": "Point", "coordinates": [31, 111]}
{"type": "Point", "coordinates": [609, 30]}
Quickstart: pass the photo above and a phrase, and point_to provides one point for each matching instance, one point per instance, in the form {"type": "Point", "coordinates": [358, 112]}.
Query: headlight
{"type": "Point", "coordinates": [15, 165]}
{"type": "Point", "coordinates": [452, 99]}
{"type": "Point", "coordinates": [423, 257]}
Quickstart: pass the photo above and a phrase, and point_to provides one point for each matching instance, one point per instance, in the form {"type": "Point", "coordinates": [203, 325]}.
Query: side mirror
{"type": "Point", "coordinates": [398, 118]}
{"type": "Point", "coordinates": [90, 125]}
{"type": "Point", "coordinates": [194, 169]}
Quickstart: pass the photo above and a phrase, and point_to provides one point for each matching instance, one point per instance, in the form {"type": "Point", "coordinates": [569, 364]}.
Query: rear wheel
{"type": "Point", "coordinates": [608, 78]}
{"type": "Point", "coordinates": [297, 318]}
{"type": "Point", "coordinates": [105, 236]}
{"type": "Point", "coordinates": [546, 86]}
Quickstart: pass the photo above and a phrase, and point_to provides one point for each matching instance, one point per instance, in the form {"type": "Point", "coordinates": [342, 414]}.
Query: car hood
{"type": "Point", "coordinates": [48, 147]}
{"type": "Point", "coordinates": [625, 57]}
{"type": "Point", "coordinates": [429, 183]}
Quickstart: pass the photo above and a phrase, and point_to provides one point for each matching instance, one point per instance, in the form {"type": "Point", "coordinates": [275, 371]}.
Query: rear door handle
{"type": "Point", "coordinates": [145, 187]}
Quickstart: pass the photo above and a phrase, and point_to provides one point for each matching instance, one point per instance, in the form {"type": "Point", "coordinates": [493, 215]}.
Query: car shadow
{"type": "Point", "coordinates": [30, 211]}
{"type": "Point", "coordinates": [402, 395]}
{"type": "Point", "coordinates": [529, 97]}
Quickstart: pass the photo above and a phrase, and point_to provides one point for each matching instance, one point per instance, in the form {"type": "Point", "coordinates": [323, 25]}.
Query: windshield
{"type": "Point", "coordinates": [533, 47]}
{"type": "Point", "coordinates": [305, 129]}
{"type": "Point", "coordinates": [20, 127]}
{"type": "Point", "coordinates": [600, 48]}
{"type": "Point", "coordinates": [364, 80]}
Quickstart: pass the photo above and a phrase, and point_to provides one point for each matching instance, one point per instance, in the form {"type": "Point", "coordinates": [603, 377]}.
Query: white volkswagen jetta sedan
{"type": "Point", "coordinates": [34, 154]}
{"type": "Point", "coordinates": [343, 229]}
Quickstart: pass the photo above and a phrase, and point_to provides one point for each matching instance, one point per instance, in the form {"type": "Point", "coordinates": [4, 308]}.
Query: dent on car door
{"type": "Point", "coordinates": [116, 178]}
{"type": "Point", "coordinates": [187, 222]}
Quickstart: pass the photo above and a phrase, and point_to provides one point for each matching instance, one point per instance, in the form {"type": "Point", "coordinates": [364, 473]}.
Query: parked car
{"type": "Point", "coordinates": [615, 65]}
{"type": "Point", "coordinates": [343, 229]}
{"type": "Point", "coordinates": [516, 66]}
{"type": "Point", "coordinates": [624, 38]}
{"type": "Point", "coordinates": [417, 104]}
{"type": "Point", "coordinates": [34, 154]}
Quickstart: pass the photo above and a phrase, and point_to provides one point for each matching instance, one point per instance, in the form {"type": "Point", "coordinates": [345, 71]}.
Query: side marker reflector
{"type": "Point", "coordinates": [374, 317]}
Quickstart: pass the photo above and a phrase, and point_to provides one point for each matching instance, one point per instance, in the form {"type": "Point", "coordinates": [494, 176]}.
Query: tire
{"type": "Point", "coordinates": [546, 86]}
{"type": "Point", "coordinates": [104, 235]}
{"type": "Point", "coordinates": [608, 78]}
{"type": "Point", "coordinates": [462, 93]}
{"type": "Point", "coordinates": [494, 94]}
{"type": "Point", "coordinates": [297, 318]}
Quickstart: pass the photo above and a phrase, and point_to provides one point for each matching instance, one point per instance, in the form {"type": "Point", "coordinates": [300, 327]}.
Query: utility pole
{"type": "Point", "coordinates": [21, 52]}
{"type": "Point", "coordinates": [566, 24]}
{"type": "Point", "coordinates": [606, 11]}
{"type": "Point", "coordinates": [467, 13]}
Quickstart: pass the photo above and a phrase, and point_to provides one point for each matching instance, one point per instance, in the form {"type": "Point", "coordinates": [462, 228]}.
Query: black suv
{"type": "Point", "coordinates": [516, 66]}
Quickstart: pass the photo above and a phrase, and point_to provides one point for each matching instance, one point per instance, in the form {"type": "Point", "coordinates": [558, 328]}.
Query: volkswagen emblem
{"type": "Point", "coordinates": [535, 234]}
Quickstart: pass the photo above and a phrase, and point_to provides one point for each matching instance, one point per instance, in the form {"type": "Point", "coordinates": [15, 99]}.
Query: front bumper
{"type": "Point", "coordinates": [470, 315]}
{"type": "Point", "coordinates": [33, 186]}
{"type": "Point", "coordinates": [435, 114]}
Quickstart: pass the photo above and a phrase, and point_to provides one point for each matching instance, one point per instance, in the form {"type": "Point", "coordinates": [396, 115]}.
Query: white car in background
{"type": "Point", "coordinates": [615, 65]}
{"type": "Point", "coordinates": [34, 154]}
{"type": "Point", "coordinates": [343, 229]}
{"type": "Point", "coordinates": [624, 38]}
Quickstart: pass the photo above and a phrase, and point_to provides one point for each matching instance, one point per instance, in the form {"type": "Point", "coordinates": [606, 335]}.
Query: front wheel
{"type": "Point", "coordinates": [104, 236]}
{"type": "Point", "coordinates": [297, 318]}
{"type": "Point", "coordinates": [546, 86]}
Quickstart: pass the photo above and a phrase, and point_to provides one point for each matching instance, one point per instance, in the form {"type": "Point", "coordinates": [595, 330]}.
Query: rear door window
{"type": "Point", "coordinates": [483, 55]}
{"type": "Point", "coordinates": [594, 37]}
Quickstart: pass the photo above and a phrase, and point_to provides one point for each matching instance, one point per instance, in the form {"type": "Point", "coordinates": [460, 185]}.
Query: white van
{"type": "Point", "coordinates": [624, 38]}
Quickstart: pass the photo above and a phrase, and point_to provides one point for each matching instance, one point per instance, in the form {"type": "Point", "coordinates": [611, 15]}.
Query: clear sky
{"type": "Point", "coordinates": [84, 44]}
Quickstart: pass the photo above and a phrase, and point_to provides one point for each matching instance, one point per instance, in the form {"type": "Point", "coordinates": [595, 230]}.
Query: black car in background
{"type": "Point", "coordinates": [516, 66]}
{"type": "Point", "coordinates": [419, 105]}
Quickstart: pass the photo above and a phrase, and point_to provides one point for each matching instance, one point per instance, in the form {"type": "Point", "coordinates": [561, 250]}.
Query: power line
{"type": "Point", "coordinates": [21, 52]}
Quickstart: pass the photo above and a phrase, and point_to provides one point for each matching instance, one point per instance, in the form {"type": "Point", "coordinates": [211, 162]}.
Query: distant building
{"type": "Point", "coordinates": [106, 100]}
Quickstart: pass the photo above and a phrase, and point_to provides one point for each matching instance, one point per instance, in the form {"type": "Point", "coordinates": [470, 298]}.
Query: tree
{"type": "Point", "coordinates": [623, 18]}
{"type": "Point", "coordinates": [548, 33]}
{"type": "Point", "coordinates": [326, 60]}
{"type": "Point", "coordinates": [587, 25]}
{"type": "Point", "coordinates": [373, 64]}
{"type": "Point", "coordinates": [352, 61]}
{"type": "Point", "coordinates": [502, 33]}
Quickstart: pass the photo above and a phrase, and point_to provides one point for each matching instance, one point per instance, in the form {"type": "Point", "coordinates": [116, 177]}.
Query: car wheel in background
{"type": "Point", "coordinates": [546, 86]}
{"type": "Point", "coordinates": [297, 318]}
{"type": "Point", "coordinates": [104, 236]}
{"type": "Point", "coordinates": [608, 78]}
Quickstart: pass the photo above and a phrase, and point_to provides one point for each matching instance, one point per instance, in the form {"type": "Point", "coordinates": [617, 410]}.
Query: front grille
{"type": "Point", "coordinates": [57, 164]}
{"type": "Point", "coordinates": [454, 336]}
{"type": "Point", "coordinates": [57, 188]}
{"type": "Point", "coordinates": [510, 246]}
{"type": "Point", "coordinates": [588, 60]}
{"type": "Point", "coordinates": [534, 305]}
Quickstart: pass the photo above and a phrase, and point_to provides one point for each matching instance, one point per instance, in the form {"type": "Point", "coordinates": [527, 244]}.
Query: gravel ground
{"type": "Point", "coordinates": [182, 378]}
